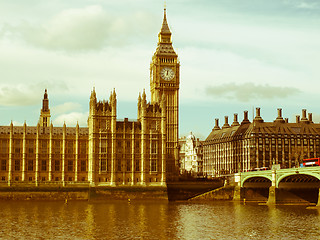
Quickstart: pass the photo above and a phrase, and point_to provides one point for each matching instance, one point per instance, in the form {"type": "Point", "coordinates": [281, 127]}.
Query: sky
{"type": "Point", "coordinates": [235, 55]}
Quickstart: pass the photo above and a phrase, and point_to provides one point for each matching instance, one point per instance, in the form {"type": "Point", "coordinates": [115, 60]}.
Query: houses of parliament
{"type": "Point", "coordinates": [107, 152]}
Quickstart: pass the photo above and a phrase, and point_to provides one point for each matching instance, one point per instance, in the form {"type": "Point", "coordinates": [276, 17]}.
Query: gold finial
{"type": "Point", "coordinates": [165, 4]}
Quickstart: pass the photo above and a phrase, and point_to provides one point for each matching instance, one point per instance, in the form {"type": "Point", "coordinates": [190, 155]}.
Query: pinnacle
{"type": "Point", "coordinates": [165, 28]}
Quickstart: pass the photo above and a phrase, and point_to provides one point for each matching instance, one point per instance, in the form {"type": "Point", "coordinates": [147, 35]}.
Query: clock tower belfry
{"type": "Point", "coordinates": [165, 80]}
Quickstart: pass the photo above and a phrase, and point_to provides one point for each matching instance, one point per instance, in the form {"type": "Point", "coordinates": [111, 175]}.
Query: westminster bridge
{"type": "Point", "coordinates": [296, 185]}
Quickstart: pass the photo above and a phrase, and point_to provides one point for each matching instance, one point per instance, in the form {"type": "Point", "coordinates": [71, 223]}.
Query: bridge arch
{"type": "Point", "coordinates": [256, 177]}
{"type": "Point", "coordinates": [311, 174]}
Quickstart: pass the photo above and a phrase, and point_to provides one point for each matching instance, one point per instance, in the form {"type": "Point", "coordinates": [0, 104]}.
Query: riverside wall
{"type": "Point", "coordinates": [84, 193]}
{"type": "Point", "coordinates": [222, 193]}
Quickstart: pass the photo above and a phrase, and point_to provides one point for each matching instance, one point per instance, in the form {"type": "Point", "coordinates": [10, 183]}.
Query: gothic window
{"type": "Point", "coordinates": [3, 165]}
{"type": "Point", "coordinates": [128, 165]}
{"type": "Point", "coordinates": [70, 166]}
{"type": "Point", "coordinates": [137, 147]}
{"type": "Point", "coordinates": [30, 165]}
{"type": "Point", "coordinates": [137, 165]}
{"type": "Point", "coordinates": [83, 166]}
{"type": "Point", "coordinates": [103, 146]}
{"type": "Point", "coordinates": [70, 147]}
{"type": "Point", "coordinates": [17, 146]}
{"type": "Point", "coordinates": [43, 165]}
{"type": "Point", "coordinates": [83, 147]}
{"type": "Point", "coordinates": [153, 165]}
{"type": "Point", "coordinates": [154, 147]}
{"type": "Point", "coordinates": [128, 147]}
{"type": "Point", "coordinates": [57, 165]}
{"type": "Point", "coordinates": [44, 146]}
{"type": "Point", "coordinates": [103, 166]}
{"type": "Point", "coordinates": [119, 147]}
{"type": "Point", "coordinates": [31, 146]}
{"type": "Point", "coordinates": [57, 146]}
{"type": "Point", "coordinates": [17, 165]}
{"type": "Point", "coordinates": [119, 164]}
{"type": "Point", "coordinates": [4, 146]}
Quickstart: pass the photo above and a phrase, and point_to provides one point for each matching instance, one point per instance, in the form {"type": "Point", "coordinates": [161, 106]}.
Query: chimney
{"type": "Point", "coordinates": [245, 118]}
{"type": "Point", "coordinates": [235, 120]}
{"type": "Point", "coordinates": [258, 118]}
{"type": "Point", "coordinates": [257, 112]}
{"type": "Point", "coordinates": [304, 116]}
{"type": "Point", "coordinates": [216, 127]}
{"type": "Point", "coordinates": [279, 118]}
{"type": "Point", "coordinates": [310, 117]}
{"type": "Point", "coordinates": [297, 119]}
{"type": "Point", "coordinates": [226, 124]}
{"type": "Point", "coordinates": [286, 120]}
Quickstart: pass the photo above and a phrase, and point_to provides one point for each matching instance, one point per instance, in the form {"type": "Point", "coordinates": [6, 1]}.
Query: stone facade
{"type": "Point", "coordinates": [250, 145]}
{"type": "Point", "coordinates": [108, 152]}
{"type": "Point", "coordinates": [191, 155]}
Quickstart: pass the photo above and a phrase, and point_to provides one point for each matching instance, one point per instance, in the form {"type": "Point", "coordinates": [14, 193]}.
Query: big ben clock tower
{"type": "Point", "coordinates": [165, 80]}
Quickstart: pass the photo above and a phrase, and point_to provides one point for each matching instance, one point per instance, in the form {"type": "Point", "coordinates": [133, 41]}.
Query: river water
{"type": "Point", "coordinates": [155, 220]}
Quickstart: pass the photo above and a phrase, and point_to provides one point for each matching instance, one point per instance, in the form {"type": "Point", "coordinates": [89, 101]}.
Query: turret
{"type": "Point", "coordinates": [93, 101]}
{"type": "Point", "coordinates": [113, 103]}
{"type": "Point", "coordinates": [45, 111]}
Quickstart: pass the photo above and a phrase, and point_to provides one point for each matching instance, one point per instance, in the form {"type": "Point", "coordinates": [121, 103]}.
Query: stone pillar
{"type": "Point", "coordinates": [113, 102]}
{"type": "Point", "coordinates": [77, 154]}
{"type": "Point", "coordinates": [64, 136]}
{"type": "Point", "coordinates": [272, 190]}
{"type": "Point", "coordinates": [24, 149]}
{"type": "Point", "coordinates": [133, 159]}
{"type": "Point", "coordinates": [10, 155]}
{"type": "Point", "coordinates": [163, 139]}
{"type": "Point", "coordinates": [50, 153]}
{"type": "Point", "coordinates": [36, 175]}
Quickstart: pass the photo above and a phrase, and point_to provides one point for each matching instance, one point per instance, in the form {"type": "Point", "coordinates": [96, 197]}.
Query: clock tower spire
{"type": "Point", "coordinates": [164, 82]}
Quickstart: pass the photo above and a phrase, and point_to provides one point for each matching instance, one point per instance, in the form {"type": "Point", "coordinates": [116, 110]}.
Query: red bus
{"type": "Point", "coordinates": [311, 162]}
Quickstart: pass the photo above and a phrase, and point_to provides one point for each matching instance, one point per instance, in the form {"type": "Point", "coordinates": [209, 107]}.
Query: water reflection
{"type": "Point", "coordinates": [156, 220]}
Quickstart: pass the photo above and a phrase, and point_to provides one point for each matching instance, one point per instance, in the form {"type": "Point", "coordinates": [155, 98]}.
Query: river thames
{"type": "Point", "coordinates": [155, 220]}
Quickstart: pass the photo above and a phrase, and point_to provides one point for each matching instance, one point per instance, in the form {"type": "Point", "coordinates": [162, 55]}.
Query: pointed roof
{"type": "Point", "coordinates": [45, 102]}
{"type": "Point", "coordinates": [165, 47]}
{"type": "Point", "coordinates": [165, 27]}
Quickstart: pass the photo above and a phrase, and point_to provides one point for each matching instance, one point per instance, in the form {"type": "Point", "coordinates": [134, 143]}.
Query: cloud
{"type": "Point", "coordinates": [71, 119]}
{"type": "Point", "coordinates": [65, 107]}
{"type": "Point", "coordinates": [307, 5]}
{"type": "Point", "coordinates": [25, 94]}
{"type": "Point", "coordinates": [82, 29]}
{"type": "Point", "coordinates": [250, 91]}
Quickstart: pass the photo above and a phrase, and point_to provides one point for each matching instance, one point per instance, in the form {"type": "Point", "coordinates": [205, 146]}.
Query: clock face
{"type": "Point", "coordinates": [167, 73]}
